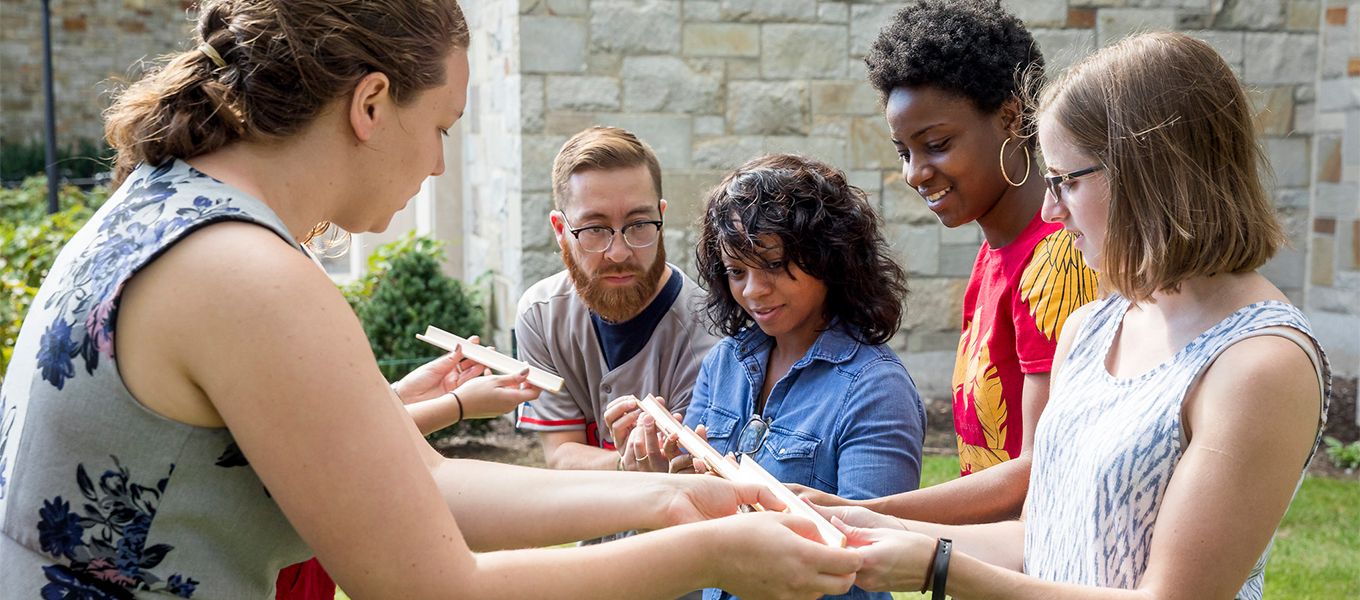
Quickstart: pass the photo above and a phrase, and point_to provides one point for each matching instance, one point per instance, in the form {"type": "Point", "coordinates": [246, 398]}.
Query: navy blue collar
{"type": "Point", "coordinates": [620, 342]}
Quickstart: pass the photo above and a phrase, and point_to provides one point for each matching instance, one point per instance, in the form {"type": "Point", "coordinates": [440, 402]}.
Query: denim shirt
{"type": "Point", "coordinates": [846, 418]}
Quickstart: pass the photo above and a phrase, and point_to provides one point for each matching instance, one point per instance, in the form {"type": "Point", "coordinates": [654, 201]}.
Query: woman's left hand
{"type": "Point", "coordinates": [894, 559]}
{"type": "Point", "coordinates": [438, 377]}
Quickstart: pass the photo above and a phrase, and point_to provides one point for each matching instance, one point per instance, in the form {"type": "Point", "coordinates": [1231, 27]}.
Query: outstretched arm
{"type": "Point", "coordinates": [302, 395]}
{"type": "Point", "coordinates": [1259, 384]}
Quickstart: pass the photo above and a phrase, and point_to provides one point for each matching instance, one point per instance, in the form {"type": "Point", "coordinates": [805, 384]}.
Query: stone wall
{"type": "Point", "coordinates": [710, 83]}
{"type": "Point", "coordinates": [494, 195]}
{"type": "Point", "coordinates": [94, 43]}
{"type": "Point", "coordinates": [1333, 300]}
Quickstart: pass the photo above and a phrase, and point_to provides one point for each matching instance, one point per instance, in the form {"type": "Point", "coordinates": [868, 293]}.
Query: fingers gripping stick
{"type": "Point", "coordinates": [748, 471]}
{"type": "Point", "coordinates": [498, 362]}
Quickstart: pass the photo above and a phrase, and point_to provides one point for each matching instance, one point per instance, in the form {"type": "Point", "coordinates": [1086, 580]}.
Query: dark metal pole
{"type": "Point", "coordinates": [51, 116]}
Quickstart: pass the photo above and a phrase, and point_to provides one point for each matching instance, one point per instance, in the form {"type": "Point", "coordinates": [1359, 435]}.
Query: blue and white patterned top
{"type": "Point", "coordinates": [1106, 447]}
{"type": "Point", "coordinates": [100, 497]}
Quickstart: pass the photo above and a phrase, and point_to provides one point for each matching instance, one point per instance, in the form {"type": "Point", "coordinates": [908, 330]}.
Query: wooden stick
{"type": "Point", "coordinates": [752, 471]}
{"type": "Point", "coordinates": [748, 470]}
{"type": "Point", "coordinates": [498, 362]}
{"type": "Point", "coordinates": [696, 445]}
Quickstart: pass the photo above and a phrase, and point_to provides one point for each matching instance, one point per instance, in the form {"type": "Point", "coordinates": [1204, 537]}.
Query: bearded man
{"type": "Point", "coordinates": [619, 320]}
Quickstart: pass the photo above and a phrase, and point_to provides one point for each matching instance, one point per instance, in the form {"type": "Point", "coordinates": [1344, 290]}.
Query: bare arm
{"type": "Point", "coordinates": [482, 397]}
{"type": "Point", "coordinates": [450, 389]}
{"type": "Point", "coordinates": [568, 450]}
{"type": "Point", "coordinates": [993, 494]}
{"type": "Point", "coordinates": [1259, 384]}
{"type": "Point", "coordinates": [289, 383]}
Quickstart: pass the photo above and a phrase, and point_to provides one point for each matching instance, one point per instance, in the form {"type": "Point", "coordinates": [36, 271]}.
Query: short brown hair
{"type": "Point", "coordinates": [282, 63]}
{"type": "Point", "coordinates": [600, 148]}
{"type": "Point", "coordinates": [1169, 121]}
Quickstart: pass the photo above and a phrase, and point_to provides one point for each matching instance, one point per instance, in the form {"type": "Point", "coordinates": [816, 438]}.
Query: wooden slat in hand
{"type": "Point", "coordinates": [498, 362]}
{"type": "Point", "coordinates": [748, 470]}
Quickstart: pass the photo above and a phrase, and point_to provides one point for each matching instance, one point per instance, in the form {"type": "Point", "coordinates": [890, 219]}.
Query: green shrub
{"type": "Point", "coordinates": [404, 291]}
{"type": "Point", "coordinates": [29, 242]}
{"type": "Point", "coordinates": [1344, 456]}
{"type": "Point", "coordinates": [82, 159]}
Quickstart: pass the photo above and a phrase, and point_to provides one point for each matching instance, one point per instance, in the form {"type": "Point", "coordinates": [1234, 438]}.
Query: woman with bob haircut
{"type": "Point", "coordinates": [1150, 473]}
{"type": "Point", "coordinates": [192, 405]}
{"type": "Point", "coordinates": [800, 280]}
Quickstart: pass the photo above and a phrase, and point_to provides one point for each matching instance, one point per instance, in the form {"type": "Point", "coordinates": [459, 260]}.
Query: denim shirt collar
{"type": "Point", "coordinates": [833, 345]}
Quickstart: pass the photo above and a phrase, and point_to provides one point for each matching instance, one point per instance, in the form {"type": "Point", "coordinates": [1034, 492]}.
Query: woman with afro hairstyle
{"type": "Point", "coordinates": [952, 75]}
{"type": "Point", "coordinates": [800, 280]}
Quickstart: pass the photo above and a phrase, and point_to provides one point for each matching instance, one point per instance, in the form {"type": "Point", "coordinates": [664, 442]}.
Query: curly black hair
{"type": "Point", "coordinates": [826, 226]}
{"type": "Point", "coordinates": [974, 48]}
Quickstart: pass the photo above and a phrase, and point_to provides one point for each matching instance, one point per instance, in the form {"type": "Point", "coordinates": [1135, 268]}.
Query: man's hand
{"type": "Point", "coordinates": [620, 417]}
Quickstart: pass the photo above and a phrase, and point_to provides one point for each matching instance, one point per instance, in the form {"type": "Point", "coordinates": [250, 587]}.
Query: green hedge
{"type": "Point", "coordinates": [82, 159]}
{"type": "Point", "coordinates": [404, 291]}
{"type": "Point", "coordinates": [29, 242]}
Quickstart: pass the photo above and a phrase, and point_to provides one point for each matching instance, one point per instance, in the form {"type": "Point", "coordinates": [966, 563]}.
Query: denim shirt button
{"type": "Point", "coordinates": [783, 451]}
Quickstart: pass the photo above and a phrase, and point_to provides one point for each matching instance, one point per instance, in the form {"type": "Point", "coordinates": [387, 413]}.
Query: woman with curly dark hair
{"type": "Point", "coordinates": [800, 280]}
{"type": "Point", "coordinates": [954, 78]}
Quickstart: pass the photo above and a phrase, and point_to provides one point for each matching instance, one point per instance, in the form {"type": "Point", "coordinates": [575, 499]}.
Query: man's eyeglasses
{"type": "Point", "coordinates": [599, 238]}
{"type": "Point", "coordinates": [1055, 182]}
{"type": "Point", "coordinates": [752, 436]}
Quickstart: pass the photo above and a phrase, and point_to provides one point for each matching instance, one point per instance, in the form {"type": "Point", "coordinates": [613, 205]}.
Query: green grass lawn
{"type": "Point", "coordinates": [1317, 550]}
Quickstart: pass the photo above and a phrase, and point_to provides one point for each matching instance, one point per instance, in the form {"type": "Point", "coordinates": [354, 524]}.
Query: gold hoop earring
{"type": "Point", "coordinates": [1028, 164]}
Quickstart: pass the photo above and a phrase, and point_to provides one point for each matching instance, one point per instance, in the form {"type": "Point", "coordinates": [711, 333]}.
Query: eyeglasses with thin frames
{"type": "Point", "coordinates": [752, 436]}
{"type": "Point", "coordinates": [1055, 182]}
{"type": "Point", "coordinates": [600, 238]}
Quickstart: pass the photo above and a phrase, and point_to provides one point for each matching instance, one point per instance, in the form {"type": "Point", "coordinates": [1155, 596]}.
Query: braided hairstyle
{"type": "Point", "coordinates": [825, 225]}
{"type": "Point", "coordinates": [284, 62]}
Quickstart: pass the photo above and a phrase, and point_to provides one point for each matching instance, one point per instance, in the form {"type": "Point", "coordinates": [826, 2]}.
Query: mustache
{"type": "Point", "coordinates": [618, 270]}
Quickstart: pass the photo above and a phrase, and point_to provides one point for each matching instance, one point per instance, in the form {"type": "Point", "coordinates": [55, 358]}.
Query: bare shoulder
{"type": "Point", "coordinates": [226, 276]}
{"type": "Point", "coordinates": [1265, 383]}
{"type": "Point", "coordinates": [1076, 318]}
{"type": "Point", "coordinates": [223, 295]}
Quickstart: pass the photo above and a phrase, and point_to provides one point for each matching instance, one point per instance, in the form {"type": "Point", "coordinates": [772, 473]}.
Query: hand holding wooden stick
{"type": "Point", "coordinates": [747, 470]}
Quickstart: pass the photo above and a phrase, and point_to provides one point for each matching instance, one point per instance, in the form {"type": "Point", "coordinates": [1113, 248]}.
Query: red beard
{"type": "Point", "coordinates": [617, 303]}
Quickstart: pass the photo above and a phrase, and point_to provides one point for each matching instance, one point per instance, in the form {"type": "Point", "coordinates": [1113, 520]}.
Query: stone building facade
{"type": "Point", "coordinates": [710, 83]}
{"type": "Point", "coordinates": [95, 44]}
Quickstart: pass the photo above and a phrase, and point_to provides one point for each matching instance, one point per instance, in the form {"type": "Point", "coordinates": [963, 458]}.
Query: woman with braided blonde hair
{"type": "Point", "coordinates": [192, 405]}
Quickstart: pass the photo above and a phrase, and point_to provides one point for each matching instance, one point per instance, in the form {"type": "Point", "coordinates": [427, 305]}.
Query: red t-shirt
{"type": "Point", "coordinates": [1018, 297]}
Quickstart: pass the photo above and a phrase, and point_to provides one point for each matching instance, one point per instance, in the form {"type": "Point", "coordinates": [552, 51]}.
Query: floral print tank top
{"type": "Point", "coordinates": [99, 496]}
